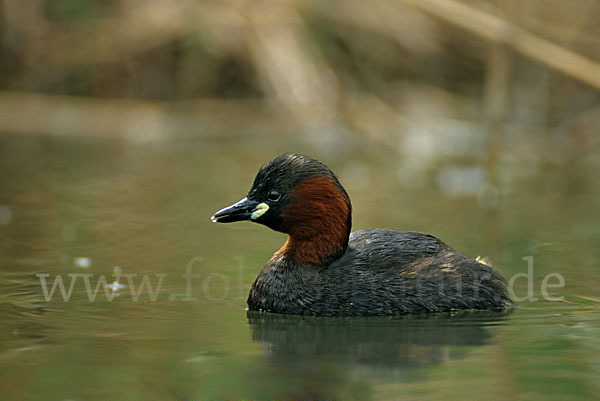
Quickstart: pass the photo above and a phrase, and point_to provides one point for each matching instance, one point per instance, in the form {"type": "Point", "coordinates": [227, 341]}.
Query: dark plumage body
{"type": "Point", "coordinates": [324, 270]}
{"type": "Point", "coordinates": [382, 272]}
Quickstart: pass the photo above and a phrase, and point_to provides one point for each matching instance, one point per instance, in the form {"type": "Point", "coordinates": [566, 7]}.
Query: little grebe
{"type": "Point", "coordinates": [323, 269]}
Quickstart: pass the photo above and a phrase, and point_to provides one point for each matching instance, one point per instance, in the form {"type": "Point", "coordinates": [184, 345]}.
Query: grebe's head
{"type": "Point", "coordinates": [301, 197]}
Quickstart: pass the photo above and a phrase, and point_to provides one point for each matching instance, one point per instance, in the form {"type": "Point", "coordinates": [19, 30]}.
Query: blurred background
{"type": "Point", "coordinates": [431, 80]}
{"type": "Point", "coordinates": [124, 124]}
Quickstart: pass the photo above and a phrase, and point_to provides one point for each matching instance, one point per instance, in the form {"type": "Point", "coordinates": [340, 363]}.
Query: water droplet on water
{"type": "Point", "coordinates": [116, 286]}
{"type": "Point", "coordinates": [82, 262]}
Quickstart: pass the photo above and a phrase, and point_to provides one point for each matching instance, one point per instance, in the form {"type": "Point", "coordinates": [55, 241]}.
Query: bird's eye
{"type": "Point", "coordinates": [274, 195]}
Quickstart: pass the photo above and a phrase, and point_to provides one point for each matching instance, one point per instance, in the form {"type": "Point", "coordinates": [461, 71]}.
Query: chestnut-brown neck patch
{"type": "Point", "coordinates": [318, 222]}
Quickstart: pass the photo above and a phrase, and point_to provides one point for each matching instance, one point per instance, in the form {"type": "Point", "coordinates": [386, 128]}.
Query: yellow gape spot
{"type": "Point", "coordinates": [259, 211]}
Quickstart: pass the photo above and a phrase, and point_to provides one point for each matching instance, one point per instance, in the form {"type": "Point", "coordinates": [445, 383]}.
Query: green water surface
{"type": "Point", "coordinates": [82, 208]}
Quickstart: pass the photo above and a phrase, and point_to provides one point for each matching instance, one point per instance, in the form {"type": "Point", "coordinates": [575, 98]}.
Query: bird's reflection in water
{"type": "Point", "coordinates": [322, 352]}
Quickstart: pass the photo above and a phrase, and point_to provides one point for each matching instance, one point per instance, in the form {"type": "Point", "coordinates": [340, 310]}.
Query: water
{"type": "Point", "coordinates": [130, 213]}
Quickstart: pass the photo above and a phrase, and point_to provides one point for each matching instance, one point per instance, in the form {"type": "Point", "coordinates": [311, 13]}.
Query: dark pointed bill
{"type": "Point", "coordinates": [245, 209]}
